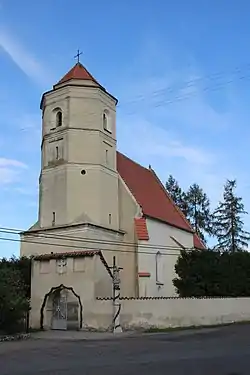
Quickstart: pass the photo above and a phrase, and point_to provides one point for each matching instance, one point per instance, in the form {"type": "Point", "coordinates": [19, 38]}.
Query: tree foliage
{"type": "Point", "coordinates": [213, 274]}
{"type": "Point", "coordinates": [227, 221]}
{"type": "Point", "coordinates": [194, 204]}
{"type": "Point", "coordinates": [198, 210]}
{"type": "Point", "coordinates": [15, 279]}
{"type": "Point", "coordinates": [176, 193]}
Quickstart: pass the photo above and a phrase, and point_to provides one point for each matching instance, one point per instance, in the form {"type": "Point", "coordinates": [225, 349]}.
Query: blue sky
{"type": "Point", "coordinates": [180, 70]}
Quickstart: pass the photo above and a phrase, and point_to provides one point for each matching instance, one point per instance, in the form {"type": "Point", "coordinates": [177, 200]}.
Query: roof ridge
{"type": "Point", "coordinates": [178, 209]}
{"type": "Point", "coordinates": [135, 162]}
{"type": "Point", "coordinates": [82, 66]}
{"type": "Point", "coordinates": [150, 193]}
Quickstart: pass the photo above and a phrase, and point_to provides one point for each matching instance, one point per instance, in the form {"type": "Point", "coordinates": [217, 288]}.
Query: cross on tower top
{"type": "Point", "coordinates": [77, 56]}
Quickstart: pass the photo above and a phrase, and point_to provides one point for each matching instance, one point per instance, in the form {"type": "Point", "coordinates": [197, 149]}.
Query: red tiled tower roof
{"type": "Point", "coordinates": [152, 196]}
{"type": "Point", "coordinates": [78, 72]}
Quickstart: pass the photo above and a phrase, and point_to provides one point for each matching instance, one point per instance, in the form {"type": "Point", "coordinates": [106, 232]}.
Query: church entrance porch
{"type": "Point", "coordinates": [61, 310]}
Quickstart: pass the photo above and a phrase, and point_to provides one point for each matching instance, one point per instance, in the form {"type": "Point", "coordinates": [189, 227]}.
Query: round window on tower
{"type": "Point", "coordinates": [83, 172]}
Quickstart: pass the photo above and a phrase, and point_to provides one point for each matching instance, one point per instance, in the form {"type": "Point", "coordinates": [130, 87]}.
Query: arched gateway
{"type": "Point", "coordinates": [61, 309]}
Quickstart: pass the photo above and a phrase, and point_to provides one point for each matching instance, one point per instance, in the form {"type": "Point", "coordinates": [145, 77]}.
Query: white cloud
{"type": "Point", "coordinates": [166, 120]}
{"type": "Point", "coordinates": [11, 163]}
{"type": "Point", "coordinates": [24, 129]}
{"type": "Point", "coordinates": [10, 170]}
{"type": "Point", "coordinates": [23, 58]}
{"type": "Point", "coordinates": [7, 176]}
{"type": "Point", "coordinates": [143, 138]}
{"type": "Point", "coordinates": [26, 191]}
{"type": "Point", "coordinates": [29, 121]}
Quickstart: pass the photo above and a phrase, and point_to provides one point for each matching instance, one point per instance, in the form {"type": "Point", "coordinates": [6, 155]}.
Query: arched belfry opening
{"type": "Point", "coordinates": [105, 121]}
{"type": "Point", "coordinates": [59, 118]}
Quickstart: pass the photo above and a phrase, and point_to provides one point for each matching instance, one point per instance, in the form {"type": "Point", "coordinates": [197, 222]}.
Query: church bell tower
{"type": "Point", "coordinates": [79, 180]}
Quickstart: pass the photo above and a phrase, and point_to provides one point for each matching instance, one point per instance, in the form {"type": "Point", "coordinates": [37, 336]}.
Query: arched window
{"type": "Point", "coordinates": [158, 268]}
{"type": "Point", "coordinates": [58, 118]}
{"type": "Point", "coordinates": [106, 121]}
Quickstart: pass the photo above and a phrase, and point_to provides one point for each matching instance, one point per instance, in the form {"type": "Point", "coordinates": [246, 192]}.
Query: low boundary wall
{"type": "Point", "coordinates": [172, 312]}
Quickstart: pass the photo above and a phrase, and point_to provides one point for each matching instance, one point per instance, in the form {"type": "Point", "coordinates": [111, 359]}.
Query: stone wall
{"type": "Point", "coordinates": [172, 312]}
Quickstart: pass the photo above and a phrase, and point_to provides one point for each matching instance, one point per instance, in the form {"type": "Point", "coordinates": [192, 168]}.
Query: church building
{"type": "Point", "coordinates": [95, 203]}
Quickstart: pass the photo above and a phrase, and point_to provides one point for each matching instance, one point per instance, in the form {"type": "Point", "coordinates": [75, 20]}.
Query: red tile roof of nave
{"type": "Point", "coordinates": [152, 196]}
{"type": "Point", "coordinates": [198, 244]}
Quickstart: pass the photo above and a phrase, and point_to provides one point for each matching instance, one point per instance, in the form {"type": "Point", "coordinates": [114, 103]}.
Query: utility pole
{"type": "Point", "coordinates": [116, 297]}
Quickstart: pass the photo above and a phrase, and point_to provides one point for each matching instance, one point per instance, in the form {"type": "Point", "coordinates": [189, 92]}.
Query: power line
{"type": "Point", "coordinates": [87, 247]}
{"type": "Point", "coordinates": [88, 240]}
{"type": "Point", "coordinates": [192, 82]}
{"type": "Point", "coordinates": [188, 96]}
{"type": "Point", "coordinates": [186, 85]}
{"type": "Point", "coordinates": [84, 240]}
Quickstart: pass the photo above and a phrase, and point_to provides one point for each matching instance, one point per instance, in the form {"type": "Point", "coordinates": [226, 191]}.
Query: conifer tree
{"type": "Point", "coordinates": [194, 204]}
{"type": "Point", "coordinates": [198, 210]}
{"type": "Point", "coordinates": [176, 193]}
{"type": "Point", "coordinates": [227, 221]}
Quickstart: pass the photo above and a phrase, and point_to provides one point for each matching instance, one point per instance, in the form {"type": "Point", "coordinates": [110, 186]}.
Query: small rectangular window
{"type": "Point", "coordinates": [53, 218]}
{"type": "Point", "coordinates": [107, 156]}
{"type": "Point", "coordinates": [110, 218]}
{"type": "Point", "coordinates": [57, 153]}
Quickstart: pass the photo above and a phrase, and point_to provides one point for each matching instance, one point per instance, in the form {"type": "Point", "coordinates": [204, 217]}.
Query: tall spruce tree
{"type": "Point", "coordinates": [176, 193]}
{"type": "Point", "coordinates": [227, 223]}
{"type": "Point", "coordinates": [198, 210]}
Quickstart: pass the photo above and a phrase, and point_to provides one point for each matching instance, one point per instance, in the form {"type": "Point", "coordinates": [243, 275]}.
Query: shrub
{"type": "Point", "coordinates": [213, 274]}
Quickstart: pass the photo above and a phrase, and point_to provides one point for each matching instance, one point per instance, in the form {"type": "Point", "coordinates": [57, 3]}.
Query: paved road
{"type": "Point", "coordinates": [223, 351]}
